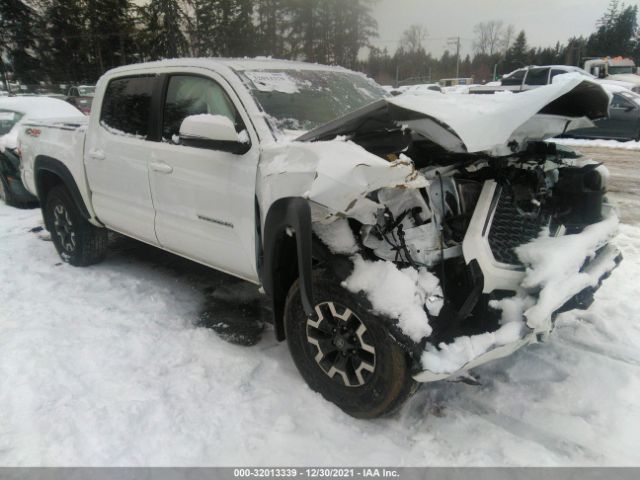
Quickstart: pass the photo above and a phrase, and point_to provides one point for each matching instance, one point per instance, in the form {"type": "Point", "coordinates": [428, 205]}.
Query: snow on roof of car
{"type": "Point", "coordinates": [39, 107]}
{"type": "Point", "coordinates": [236, 64]}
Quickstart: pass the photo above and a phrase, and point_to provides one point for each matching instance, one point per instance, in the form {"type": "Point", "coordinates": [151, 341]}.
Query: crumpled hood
{"type": "Point", "coordinates": [492, 123]}
{"type": "Point", "coordinates": [496, 124]}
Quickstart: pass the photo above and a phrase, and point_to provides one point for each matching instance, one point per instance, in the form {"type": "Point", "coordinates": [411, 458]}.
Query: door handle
{"type": "Point", "coordinates": [97, 154]}
{"type": "Point", "coordinates": [160, 167]}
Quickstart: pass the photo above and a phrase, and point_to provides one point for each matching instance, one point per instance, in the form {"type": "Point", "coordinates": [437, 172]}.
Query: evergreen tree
{"type": "Point", "coordinates": [66, 38]}
{"type": "Point", "coordinates": [18, 39]}
{"type": "Point", "coordinates": [271, 26]}
{"type": "Point", "coordinates": [518, 55]}
{"type": "Point", "coordinates": [110, 26]}
{"type": "Point", "coordinates": [330, 31]}
{"type": "Point", "coordinates": [161, 33]}
{"type": "Point", "coordinates": [617, 32]}
{"type": "Point", "coordinates": [224, 27]}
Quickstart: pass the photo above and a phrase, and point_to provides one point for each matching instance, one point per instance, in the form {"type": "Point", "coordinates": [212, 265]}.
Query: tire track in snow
{"type": "Point", "coordinates": [527, 431]}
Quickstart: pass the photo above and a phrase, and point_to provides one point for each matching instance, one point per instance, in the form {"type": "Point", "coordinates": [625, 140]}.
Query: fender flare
{"type": "Point", "coordinates": [287, 213]}
{"type": "Point", "coordinates": [48, 164]}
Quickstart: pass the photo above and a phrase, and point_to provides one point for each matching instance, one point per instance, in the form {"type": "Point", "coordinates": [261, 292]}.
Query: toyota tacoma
{"type": "Point", "coordinates": [400, 240]}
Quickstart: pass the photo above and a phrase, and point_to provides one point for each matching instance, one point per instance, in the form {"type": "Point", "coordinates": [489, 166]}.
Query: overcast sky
{"type": "Point", "coordinates": [544, 21]}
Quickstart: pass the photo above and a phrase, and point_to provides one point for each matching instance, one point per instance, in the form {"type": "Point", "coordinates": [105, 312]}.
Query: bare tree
{"type": "Point", "coordinates": [507, 38]}
{"type": "Point", "coordinates": [489, 36]}
{"type": "Point", "coordinates": [413, 38]}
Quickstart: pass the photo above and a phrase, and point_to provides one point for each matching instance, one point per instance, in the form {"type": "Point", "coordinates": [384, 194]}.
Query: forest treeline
{"type": "Point", "coordinates": [77, 40]}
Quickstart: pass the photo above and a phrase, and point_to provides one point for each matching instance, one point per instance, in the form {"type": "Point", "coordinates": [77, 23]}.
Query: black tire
{"type": "Point", "coordinates": [77, 241]}
{"type": "Point", "coordinates": [372, 394]}
{"type": "Point", "coordinates": [5, 192]}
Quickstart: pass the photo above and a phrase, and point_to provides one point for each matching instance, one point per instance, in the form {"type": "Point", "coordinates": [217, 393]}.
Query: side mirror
{"type": "Point", "coordinates": [214, 132]}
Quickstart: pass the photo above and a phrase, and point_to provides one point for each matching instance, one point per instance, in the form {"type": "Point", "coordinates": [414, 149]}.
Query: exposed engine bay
{"type": "Point", "coordinates": [543, 188]}
{"type": "Point", "coordinates": [463, 216]}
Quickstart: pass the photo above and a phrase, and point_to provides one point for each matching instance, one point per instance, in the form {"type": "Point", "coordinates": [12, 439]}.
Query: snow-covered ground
{"type": "Point", "coordinates": [106, 366]}
{"type": "Point", "coordinates": [581, 142]}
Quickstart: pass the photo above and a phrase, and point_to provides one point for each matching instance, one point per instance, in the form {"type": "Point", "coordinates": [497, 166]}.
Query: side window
{"type": "Point", "coordinates": [514, 79]}
{"type": "Point", "coordinates": [555, 72]}
{"type": "Point", "coordinates": [126, 106]}
{"type": "Point", "coordinates": [191, 95]}
{"type": "Point", "coordinates": [620, 102]}
{"type": "Point", "coordinates": [537, 76]}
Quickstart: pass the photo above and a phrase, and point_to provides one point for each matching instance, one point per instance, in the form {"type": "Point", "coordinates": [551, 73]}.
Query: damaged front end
{"type": "Point", "coordinates": [461, 226]}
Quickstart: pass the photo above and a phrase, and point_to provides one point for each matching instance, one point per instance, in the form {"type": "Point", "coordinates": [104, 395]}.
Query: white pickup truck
{"type": "Point", "coordinates": [399, 239]}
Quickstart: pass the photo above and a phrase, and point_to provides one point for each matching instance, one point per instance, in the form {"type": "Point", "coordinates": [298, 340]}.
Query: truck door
{"type": "Point", "coordinates": [204, 196]}
{"type": "Point", "coordinates": [117, 156]}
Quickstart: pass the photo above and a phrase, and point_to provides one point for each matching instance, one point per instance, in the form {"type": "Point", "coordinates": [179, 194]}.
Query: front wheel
{"type": "Point", "coordinates": [77, 241]}
{"type": "Point", "coordinates": [345, 353]}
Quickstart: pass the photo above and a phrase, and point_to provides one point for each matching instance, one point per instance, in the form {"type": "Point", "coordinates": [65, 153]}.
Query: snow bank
{"type": "Point", "coordinates": [102, 366]}
{"type": "Point", "coordinates": [398, 294]}
{"type": "Point", "coordinates": [579, 142]}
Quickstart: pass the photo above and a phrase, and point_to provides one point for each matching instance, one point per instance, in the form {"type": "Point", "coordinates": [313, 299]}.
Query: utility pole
{"type": "Point", "coordinates": [456, 41]}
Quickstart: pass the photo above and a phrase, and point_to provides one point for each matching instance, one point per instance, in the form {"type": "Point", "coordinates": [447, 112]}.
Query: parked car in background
{"type": "Point", "coordinates": [81, 103]}
{"type": "Point", "coordinates": [615, 68]}
{"type": "Point", "coordinates": [532, 77]}
{"type": "Point", "coordinates": [623, 122]}
{"type": "Point", "coordinates": [15, 112]}
{"type": "Point", "coordinates": [82, 91]}
{"type": "Point", "coordinates": [81, 97]}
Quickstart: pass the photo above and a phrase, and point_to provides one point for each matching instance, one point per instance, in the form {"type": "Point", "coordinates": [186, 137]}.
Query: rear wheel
{"type": "Point", "coordinates": [77, 241]}
{"type": "Point", "coordinates": [345, 353]}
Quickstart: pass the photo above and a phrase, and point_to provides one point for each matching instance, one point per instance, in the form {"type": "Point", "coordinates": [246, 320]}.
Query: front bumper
{"type": "Point", "coordinates": [599, 268]}
{"type": "Point", "coordinates": [592, 263]}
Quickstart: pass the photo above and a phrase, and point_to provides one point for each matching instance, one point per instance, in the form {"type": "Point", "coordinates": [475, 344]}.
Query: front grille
{"type": "Point", "coordinates": [510, 229]}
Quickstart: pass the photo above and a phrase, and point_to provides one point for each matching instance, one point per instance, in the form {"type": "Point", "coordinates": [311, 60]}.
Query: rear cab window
{"type": "Point", "coordinates": [8, 119]}
{"type": "Point", "coordinates": [555, 72]}
{"type": "Point", "coordinates": [515, 78]}
{"type": "Point", "coordinates": [126, 106]}
{"type": "Point", "coordinates": [537, 76]}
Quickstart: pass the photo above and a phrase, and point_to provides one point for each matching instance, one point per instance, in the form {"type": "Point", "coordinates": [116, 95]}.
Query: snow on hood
{"type": "Point", "coordinates": [490, 123]}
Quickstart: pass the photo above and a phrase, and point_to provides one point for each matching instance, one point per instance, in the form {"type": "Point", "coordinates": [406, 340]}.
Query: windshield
{"type": "Point", "coordinates": [304, 99]}
{"type": "Point", "coordinates": [86, 91]}
{"type": "Point", "coordinates": [621, 70]}
{"type": "Point", "coordinates": [8, 119]}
